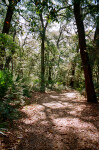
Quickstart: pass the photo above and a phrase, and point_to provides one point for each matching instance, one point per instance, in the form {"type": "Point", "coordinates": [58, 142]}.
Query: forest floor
{"type": "Point", "coordinates": [55, 121]}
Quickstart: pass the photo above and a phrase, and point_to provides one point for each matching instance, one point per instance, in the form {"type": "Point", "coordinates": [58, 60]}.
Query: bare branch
{"type": "Point", "coordinates": [64, 8]}
{"type": "Point", "coordinates": [24, 17]}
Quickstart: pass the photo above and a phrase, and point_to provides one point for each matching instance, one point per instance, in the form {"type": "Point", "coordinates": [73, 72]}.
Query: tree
{"type": "Point", "coordinates": [10, 10]}
{"type": "Point", "coordinates": [43, 13]}
{"type": "Point", "coordinates": [6, 26]}
{"type": "Point", "coordinates": [91, 96]}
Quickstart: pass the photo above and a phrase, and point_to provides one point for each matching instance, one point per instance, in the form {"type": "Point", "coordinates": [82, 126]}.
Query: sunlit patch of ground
{"type": "Point", "coordinates": [58, 121]}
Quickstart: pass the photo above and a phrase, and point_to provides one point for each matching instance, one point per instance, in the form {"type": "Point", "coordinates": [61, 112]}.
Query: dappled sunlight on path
{"type": "Point", "coordinates": [58, 121]}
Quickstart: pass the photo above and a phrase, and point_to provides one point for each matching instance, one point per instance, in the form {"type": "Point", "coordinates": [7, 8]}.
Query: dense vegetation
{"type": "Point", "coordinates": [47, 45]}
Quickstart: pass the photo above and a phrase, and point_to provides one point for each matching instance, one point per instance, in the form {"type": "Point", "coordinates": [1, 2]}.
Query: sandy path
{"type": "Point", "coordinates": [57, 121]}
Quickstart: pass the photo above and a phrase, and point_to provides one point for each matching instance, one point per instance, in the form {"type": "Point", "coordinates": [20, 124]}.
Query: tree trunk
{"type": "Point", "coordinates": [96, 36]}
{"type": "Point", "coordinates": [8, 60]}
{"type": "Point", "coordinates": [96, 44]}
{"type": "Point", "coordinates": [10, 10]}
{"type": "Point", "coordinates": [12, 65]}
{"type": "Point", "coordinates": [42, 65]}
{"type": "Point", "coordinates": [6, 26]}
{"type": "Point", "coordinates": [72, 78]}
{"type": "Point", "coordinates": [49, 75]}
{"type": "Point", "coordinates": [8, 18]}
{"type": "Point", "coordinates": [91, 95]}
{"type": "Point", "coordinates": [42, 34]}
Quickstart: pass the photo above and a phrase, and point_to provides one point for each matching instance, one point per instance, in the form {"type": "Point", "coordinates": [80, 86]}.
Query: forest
{"type": "Point", "coordinates": [49, 74]}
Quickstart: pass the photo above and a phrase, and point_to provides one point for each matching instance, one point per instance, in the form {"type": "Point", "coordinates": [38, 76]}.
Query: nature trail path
{"type": "Point", "coordinates": [57, 121]}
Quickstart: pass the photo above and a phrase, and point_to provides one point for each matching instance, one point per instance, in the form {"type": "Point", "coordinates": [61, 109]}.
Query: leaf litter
{"type": "Point", "coordinates": [55, 121]}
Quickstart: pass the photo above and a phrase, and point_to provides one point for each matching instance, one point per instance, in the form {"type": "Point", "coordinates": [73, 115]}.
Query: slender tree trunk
{"type": "Point", "coordinates": [12, 65]}
{"type": "Point", "coordinates": [96, 36]}
{"type": "Point", "coordinates": [42, 64]}
{"type": "Point", "coordinates": [42, 34]}
{"type": "Point", "coordinates": [8, 60]}
{"type": "Point", "coordinates": [49, 75]}
{"type": "Point", "coordinates": [72, 78]}
{"type": "Point", "coordinates": [91, 95]}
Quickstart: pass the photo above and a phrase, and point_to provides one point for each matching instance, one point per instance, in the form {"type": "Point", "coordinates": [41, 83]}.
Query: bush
{"type": "Point", "coordinates": [7, 112]}
{"type": "Point", "coordinates": [36, 85]}
{"type": "Point", "coordinates": [5, 82]}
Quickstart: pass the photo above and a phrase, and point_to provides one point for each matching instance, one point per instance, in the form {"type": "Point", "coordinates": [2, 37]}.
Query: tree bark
{"type": "Point", "coordinates": [6, 26]}
{"type": "Point", "coordinates": [8, 18]}
{"type": "Point", "coordinates": [91, 95]}
{"type": "Point", "coordinates": [42, 35]}
{"type": "Point", "coordinates": [49, 75]}
{"type": "Point", "coordinates": [42, 64]}
{"type": "Point", "coordinates": [73, 74]}
{"type": "Point", "coordinates": [10, 10]}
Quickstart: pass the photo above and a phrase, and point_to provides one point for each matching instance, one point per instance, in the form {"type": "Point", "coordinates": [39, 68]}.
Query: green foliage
{"type": "Point", "coordinates": [7, 42]}
{"type": "Point", "coordinates": [21, 89]}
{"type": "Point", "coordinates": [36, 84]}
{"type": "Point", "coordinates": [5, 82]}
{"type": "Point", "coordinates": [26, 86]}
{"type": "Point", "coordinates": [7, 112]}
{"type": "Point", "coordinates": [41, 9]}
{"type": "Point", "coordinates": [7, 48]}
{"type": "Point", "coordinates": [58, 86]}
{"type": "Point", "coordinates": [69, 15]}
{"type": "Point", "coordinates": [50, 83]}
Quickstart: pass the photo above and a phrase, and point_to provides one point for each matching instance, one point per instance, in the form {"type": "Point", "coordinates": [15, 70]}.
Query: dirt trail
{"type": "Point", "coordinates": [57, 121]}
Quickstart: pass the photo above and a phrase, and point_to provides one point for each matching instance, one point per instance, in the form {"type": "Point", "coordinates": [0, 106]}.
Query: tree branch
{"type": "Point", "coordinates": [64, 8]}
{"type": "Point", "coordinates": [41, 18]}
{"type": "Point", "coordinates": [24, 17]}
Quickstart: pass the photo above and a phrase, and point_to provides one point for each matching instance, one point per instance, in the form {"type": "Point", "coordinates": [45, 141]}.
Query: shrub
{"type": "Point", "coordinates": [7, 112]}
{"type": "Point", "coordinates": [5, 82]}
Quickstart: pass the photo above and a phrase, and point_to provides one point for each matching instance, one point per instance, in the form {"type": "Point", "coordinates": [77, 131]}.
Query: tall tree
{"type": "Point", "coordinates": [41, 13]}
{"type": "Point", "coordinates": [42, 35]}
{"type": "Point", "coordinates": [91, 96]}
{"type": "Point", "coordinates": [6, 26]}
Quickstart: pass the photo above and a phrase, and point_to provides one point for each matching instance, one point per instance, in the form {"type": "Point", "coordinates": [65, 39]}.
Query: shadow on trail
{"type": "Point", "coordinates": [48, 139]}
{"type": "Point", "coordinates": [58, 121]}
{"type": "Point", "coordinates": [43, 135]}
{"type": "Point", "coordinates": [69, 104]}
